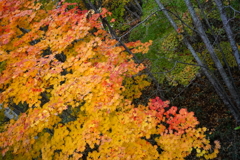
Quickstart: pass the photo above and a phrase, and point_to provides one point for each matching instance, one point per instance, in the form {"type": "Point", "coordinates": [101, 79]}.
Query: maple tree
{"type": "Point", "coordinates": [78, 85]}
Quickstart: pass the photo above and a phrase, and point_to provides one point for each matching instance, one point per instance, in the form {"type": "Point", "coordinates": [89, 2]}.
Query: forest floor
{"type": "Point", "coordinates": [199, 96]}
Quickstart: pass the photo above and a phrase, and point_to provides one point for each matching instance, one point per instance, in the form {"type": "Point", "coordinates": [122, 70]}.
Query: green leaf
{"type": "Point", "coordinates": [237, 128]}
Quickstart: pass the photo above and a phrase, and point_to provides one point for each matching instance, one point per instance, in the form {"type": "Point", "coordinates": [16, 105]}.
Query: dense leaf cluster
{"type": "Point", "coordinates": [78, 86]}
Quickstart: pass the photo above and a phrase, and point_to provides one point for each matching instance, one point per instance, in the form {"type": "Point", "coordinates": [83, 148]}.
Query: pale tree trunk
{"type": "Point", "coordinates": [215, 82]}
{"type": "Point", "coordinates": [211, 51]}
{"type": "Point", "coordinates": [228, 30]}
{"type": "Point", "coordinates": [9, 113]}
{"type": "Point", "coordinates": [217, 42]}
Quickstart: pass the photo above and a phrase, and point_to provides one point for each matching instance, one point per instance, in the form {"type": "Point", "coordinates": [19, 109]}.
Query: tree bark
{"type": "Point", "coordinates": [228, 30]}
{"type": "Point", "coordinates": [114, 35]}
{"type": "Point", "coordinates": [132, 12]}
{"type": "Point", "coordinates": [211, 51]}
{"type": "Point", "coordinates": [9, 113]}
{"type": "Point", "coordinates": [139, 7]}
{"type": "Point", "coordinates": [215, 82]}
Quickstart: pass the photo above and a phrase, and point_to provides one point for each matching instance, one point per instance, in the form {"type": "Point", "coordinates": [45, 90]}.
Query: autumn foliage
{"type": "Point", "coordinates": [78, 85]}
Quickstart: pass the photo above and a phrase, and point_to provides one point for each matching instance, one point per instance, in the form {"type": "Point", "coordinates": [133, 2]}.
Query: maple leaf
{"type": "Point", "coordinates": [79, 87]}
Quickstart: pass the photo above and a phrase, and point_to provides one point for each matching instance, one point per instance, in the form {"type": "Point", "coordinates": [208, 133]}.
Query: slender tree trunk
{"type": "Point", "coordinates": [217, 42]}
{"type": "Point", "coordinates": [211, 51]}
{"type": "Point", "coordinates": [114, 35]}
{"type": "Point", "coordinates": [228, 30]}
{"type": "Point", "coordinates": [139, 7]}
{"type": "Point", "coordinates": [9, 113]}
{"type": "Point", "coordinates": [133, 13]}
{"type": "Point", "coordinates": [138, 10]}
{"type": "Point", "coordinates": [215, 83]}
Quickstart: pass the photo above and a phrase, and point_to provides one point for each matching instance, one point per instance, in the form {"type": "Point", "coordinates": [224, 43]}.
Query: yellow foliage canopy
{"type": "Point", "coordinates": [71, 74]}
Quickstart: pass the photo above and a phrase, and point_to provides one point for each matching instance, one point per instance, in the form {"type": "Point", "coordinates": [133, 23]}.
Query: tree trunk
{"type": "Point", "coordinates": [215, 82]}
{"type": "Point", "coordinates": [9, 113]}
{"type": "Point", "coordinates": [229, 32]}
{"type": "Point", "coordinates": [211, 51]}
